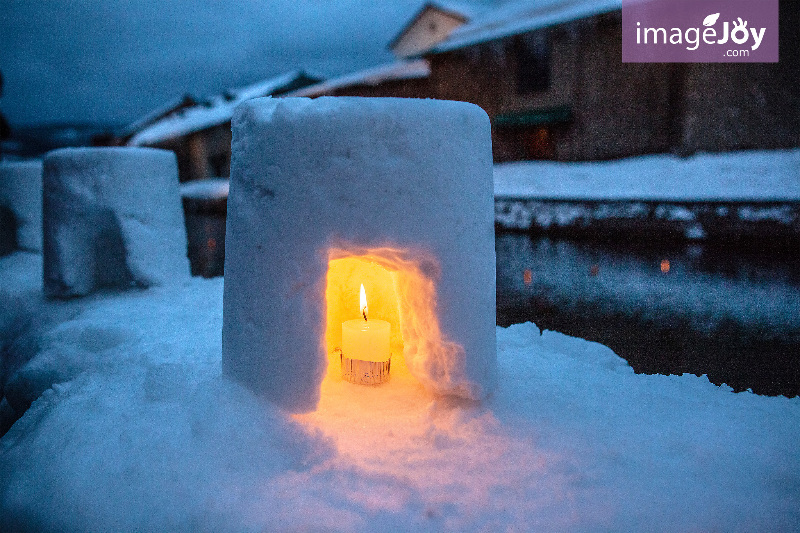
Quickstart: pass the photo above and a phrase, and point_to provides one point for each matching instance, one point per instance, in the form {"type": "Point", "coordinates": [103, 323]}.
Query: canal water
{"type": "Point", "coordinates": [731, 314]}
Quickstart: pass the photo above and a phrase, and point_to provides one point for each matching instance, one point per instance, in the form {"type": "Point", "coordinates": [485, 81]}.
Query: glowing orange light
{"type": "Point", "coordinates": [527, 277]}
{"type": "Point", "coordinates": [363, 302]}
{"type": "Point", "coordinates": [664, 266]}
{"type": "Point", "coordinates": [594, 270]}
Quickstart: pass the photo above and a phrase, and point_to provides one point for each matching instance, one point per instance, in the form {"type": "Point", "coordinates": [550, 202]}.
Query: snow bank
{"type": "Point", "coordinates": [147, 435]}
{"type": "Point", "coordinates": [403, 183]}
{"type": "Point", "coordinates": [752, 175]}
{"type": "Point", "coordinates": [111, 217]}
{"type": "Point", "coordinates": [21, 193]}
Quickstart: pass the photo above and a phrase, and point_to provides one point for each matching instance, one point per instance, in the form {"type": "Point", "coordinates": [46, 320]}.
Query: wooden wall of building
{"type": "Point", "coordinates": [617, 109]}
{"type": "Point", "coordinates": [202, 154]}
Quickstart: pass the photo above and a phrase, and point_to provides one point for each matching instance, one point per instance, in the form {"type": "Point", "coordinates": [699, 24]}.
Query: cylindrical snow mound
{"type": "Point", "coordinates": [111, 218]}
{"type": "Point", "coordinates": [21, 203]}
{"type": "Point", "coordinates": [406, 184]}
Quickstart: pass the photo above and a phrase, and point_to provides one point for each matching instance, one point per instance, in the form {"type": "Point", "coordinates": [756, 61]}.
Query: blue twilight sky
{"type": "Point", "coordinates": [111, 61]}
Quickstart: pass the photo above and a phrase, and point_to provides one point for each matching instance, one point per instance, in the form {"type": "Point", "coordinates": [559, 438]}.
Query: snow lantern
{"type": "Point", "coordinates": [21, 205]}
{"type": "Point", "coordinates": [332, 194]}
{"type": "Point", "coordinates": [111, 217]}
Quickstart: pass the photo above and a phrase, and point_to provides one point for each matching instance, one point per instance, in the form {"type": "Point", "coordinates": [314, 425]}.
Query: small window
{"type": "Point", "coordinates": [532, 55]}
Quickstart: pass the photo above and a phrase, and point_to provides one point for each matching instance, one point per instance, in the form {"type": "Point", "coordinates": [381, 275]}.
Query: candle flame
{"type": "Point", "coordinates": [363, 301]}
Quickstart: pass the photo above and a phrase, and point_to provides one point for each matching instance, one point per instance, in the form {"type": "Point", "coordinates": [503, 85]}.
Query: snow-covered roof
{"type": "Point", "coordinates": [398, 70]}
{"type": "Point", "coordinates": [522, 16]}
{"type": "Point", "coordinates": [173, 106]}
{"type": "Point", "coordinates": [218, 110]}
{"type": "Point", "coordinates": [467, 11]}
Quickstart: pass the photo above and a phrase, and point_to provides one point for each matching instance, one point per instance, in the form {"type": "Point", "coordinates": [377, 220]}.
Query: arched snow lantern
{"type": "Point", "coordinates": [330, 194]}
{"type": "Point", "coordinates": [111, 217]}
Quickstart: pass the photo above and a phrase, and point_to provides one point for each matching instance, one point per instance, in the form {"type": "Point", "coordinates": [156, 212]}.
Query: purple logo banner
{"type": "Point", "coordinates": [700, 31]}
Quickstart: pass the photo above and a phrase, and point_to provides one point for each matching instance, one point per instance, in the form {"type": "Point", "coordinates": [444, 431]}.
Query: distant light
{"type": "Point", "coordinates": [664, 266]}
{"type": "Point", "coordinates": [594, 270]}
{"type": "Point", "coordinates": [527, 277]}
{"type": "Point", "coordinates": [212, 243]}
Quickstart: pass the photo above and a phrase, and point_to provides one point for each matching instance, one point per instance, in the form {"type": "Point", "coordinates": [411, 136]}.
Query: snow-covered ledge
{"type": "Point", "coordinates": [332, 193]}
{"type": "Point", "coordinates": [111, 218]}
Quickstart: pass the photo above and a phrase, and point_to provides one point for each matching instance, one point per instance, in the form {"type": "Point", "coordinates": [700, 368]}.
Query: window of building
{"type": "Point", "coordinates": [532, 55]}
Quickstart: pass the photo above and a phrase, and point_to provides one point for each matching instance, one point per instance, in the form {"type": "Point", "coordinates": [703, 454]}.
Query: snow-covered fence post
{"type": "Point", "coordinates": [21, 198]}
{"type": "Point", "coordinates": [112, 217]}
{"type": "Point", "coordinates": [400, 183]}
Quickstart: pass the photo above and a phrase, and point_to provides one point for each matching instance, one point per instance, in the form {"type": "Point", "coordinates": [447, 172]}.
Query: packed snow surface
{"type": "Point", "coordinates": [746, 175]}
{"type": "Point", "coordinates": [136, 429]}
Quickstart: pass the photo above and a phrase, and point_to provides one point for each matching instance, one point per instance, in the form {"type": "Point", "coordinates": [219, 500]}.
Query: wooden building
{"type": "Point", "coordinates": [549, 73]}
{"type": "Point", "coordinates": [200, 133]}
{"type": "Point", "coordinates": [550, 76]}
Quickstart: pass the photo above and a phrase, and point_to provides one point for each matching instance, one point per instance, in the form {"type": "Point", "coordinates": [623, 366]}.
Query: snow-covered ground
{"type": "Point", "coordinates": [135, 429]}
{"type": "Point", "coordinates": [747, 175]}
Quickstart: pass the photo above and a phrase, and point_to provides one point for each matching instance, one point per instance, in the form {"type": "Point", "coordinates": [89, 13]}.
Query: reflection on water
{"type": "Point", "coordinates": [697, 309]}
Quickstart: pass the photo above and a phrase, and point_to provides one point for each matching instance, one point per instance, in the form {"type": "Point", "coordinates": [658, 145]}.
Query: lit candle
{"type": "Point", "coordinates": [364, 339]}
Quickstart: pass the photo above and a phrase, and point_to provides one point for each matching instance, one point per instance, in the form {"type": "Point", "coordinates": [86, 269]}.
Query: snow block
{"type": "Point", "coordinates": [21, 205]}
{"type": "Point", "coordinates": [111, 218]}
{"type": "Point", "coordinates": [406, 184]}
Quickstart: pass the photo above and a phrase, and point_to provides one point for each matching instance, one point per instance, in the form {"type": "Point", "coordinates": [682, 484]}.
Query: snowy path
{"type": "Point", "coordinates": [144, 434]}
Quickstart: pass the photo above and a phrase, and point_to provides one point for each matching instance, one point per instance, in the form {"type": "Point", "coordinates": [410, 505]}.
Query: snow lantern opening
{"type": "Point", "coordinates": [401, 293]}
{"type": "Point", "coordinates": [332, 193]}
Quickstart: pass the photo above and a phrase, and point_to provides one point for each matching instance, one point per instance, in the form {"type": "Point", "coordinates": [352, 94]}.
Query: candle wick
{"type": "Point", "coordinates": [364, 313]}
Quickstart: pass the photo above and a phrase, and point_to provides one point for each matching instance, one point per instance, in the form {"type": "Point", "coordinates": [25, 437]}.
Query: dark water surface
{"type": "Point", "coordinates": [733, 315]}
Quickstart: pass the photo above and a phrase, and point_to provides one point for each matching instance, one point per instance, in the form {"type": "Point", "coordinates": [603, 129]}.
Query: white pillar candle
{"type": "Point", "coordinates": [366, 340]}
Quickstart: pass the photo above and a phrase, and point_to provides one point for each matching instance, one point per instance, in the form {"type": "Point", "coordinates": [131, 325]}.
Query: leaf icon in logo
{"type": "Point", "coordinates": [710, 20]}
